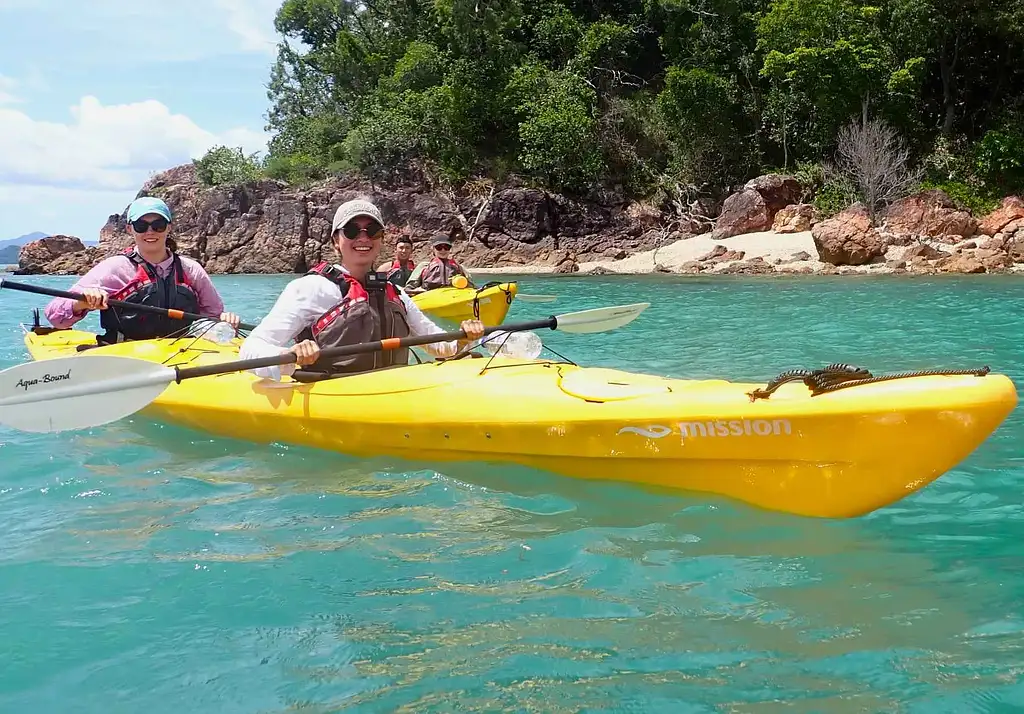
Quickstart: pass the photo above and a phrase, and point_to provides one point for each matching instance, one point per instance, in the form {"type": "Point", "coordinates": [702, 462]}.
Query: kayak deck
{"type": "Point", "coordinates": [838, 454]}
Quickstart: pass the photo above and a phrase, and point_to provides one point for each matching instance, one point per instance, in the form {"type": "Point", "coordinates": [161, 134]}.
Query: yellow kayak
{"type": "Point", "coordinates": [489, 304]}
{"type": "Point", "coordinates": [839, 453]}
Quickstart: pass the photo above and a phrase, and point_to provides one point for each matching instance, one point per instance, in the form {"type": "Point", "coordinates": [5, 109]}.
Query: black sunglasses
{"type": "Point", "coordinates": [157, 224]}
{"type": "Point", "coordinates": [373, 229]}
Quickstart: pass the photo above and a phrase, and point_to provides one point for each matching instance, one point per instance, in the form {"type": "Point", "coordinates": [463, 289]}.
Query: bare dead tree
{"type": "Point", "coordinates": [476, 190]}
{"type": "Point", "coordinates": [684, 212]}
{"type": "Point", "coordinates": [872, 155]}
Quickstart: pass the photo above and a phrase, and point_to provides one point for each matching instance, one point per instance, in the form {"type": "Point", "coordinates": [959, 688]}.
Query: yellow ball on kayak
{"type": "Point", "coordinates": [459, 281]}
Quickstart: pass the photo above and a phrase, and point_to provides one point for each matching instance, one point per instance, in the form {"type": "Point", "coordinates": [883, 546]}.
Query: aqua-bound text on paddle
{"type": "Point", "coordinates": [45, 379]}
{"type": "Point", "coordinates": [714, 428]}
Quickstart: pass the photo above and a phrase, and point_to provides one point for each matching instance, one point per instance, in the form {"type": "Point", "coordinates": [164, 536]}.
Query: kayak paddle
{"type": "Point", "coordinates": [90, 390]}
{"type": "Point", "coordinates": [173, 314]}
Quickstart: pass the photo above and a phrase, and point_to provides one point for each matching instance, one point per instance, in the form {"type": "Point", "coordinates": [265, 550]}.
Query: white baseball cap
{"type": "Point", "coordinates": [350, 209]}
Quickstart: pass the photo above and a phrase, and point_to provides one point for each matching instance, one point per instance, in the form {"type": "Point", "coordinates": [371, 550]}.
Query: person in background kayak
{"type": "Point", "coordinates": [437, 271]}
{"type": "Point", "coordinates": [343, 304]}
{"type": "Point", "coordinates": [400, 269]}
{"type": "Point", "coordinates": [151, 273]}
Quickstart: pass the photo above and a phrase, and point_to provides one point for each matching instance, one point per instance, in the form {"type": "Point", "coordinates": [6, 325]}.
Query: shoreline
{"type": "Point", "coordinates": [775, 254]}
{"type": "Point", "coordinates": [760, 254]}
{"type": "Point", "coordinates": [767, 245]}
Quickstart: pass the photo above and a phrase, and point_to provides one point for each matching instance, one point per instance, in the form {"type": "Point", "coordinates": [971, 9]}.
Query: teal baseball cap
{"type": "Point", "coordinates": [147, 204]}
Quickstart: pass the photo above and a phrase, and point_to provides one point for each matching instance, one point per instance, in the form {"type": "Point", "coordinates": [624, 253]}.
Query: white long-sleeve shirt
{"type": "Point", "coordinates": [298, 306]}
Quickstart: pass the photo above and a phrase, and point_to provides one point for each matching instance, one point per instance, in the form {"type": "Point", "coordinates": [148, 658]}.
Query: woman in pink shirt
{"type": "Point", "coordinates": [151, 273]}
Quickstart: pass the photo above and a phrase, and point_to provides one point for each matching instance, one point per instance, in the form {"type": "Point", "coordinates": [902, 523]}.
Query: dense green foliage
{"type": "Point", "coordinates": [645, 94]}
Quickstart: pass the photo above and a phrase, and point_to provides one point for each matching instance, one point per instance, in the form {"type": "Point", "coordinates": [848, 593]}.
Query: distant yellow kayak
{"type": "Point", "coordinates": [489, 304]}
{"type": "Point", "coordinates": [839, 453]}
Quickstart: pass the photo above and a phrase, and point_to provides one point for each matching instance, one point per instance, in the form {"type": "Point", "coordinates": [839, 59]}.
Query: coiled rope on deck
{"type": "Point", "coordinates": [839, 376]}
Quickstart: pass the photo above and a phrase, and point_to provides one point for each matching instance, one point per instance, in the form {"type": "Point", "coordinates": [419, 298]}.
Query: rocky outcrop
{"type": "Point", "coordinates": [755, 206]}
{"type": "Point", "coordinates": [269, 227]}
{"type": "Point", "coordinates": [39, 256]}
{"type": "Point", "coordinates": [930, 214]}
{"type": "Point", "coordinates": [795, 218]}
{"type": "Point", "coordinates": [848, 238]}
{"type": "Point", "coordinates": [1010, 211]}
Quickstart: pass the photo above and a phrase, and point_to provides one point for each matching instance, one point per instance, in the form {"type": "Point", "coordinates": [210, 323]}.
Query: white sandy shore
{"type": "Point", "coordinates": [766, 244]}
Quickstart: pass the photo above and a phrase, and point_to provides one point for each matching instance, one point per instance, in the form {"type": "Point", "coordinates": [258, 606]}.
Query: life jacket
{"type": "Point", "coordinates": [398, 273]}
{"type": "Point", "coordinates": [174, 292]}
{"type": "Point", "coordinates": [366, 313]}
{"type": "Point", "coordinates": [439, 272]}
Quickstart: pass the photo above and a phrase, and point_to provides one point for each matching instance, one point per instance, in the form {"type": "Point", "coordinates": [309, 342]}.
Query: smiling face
{"type": "Point", "coordinates": [403, 251]}
{"type": "Point", "coordinates": [359, 242]}
{"type": "Point", "coordinates": [150, 233]}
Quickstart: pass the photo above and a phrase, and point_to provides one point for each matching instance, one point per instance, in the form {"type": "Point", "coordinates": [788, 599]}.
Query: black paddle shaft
{"type": "Point", "coordinates": [379, 345]}
{"type": "Point", "coordinates": [177, 314]}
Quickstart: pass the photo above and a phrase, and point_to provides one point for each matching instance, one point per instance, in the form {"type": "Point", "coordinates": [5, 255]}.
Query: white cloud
{"type": "Point", "coordinates": [68, 173]}
{"type": "Point", "coordinates": [253, 22]}
{"type": "Point", "coordinates": [106, 147]}
{"type": "Point", "coordinates": [67, 177]}
{"type": "Point", "coordinates": [8, 85]}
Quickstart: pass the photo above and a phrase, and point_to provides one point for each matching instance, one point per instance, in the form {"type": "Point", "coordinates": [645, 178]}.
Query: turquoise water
{"type": "Point", "coordinates": [150, 568]}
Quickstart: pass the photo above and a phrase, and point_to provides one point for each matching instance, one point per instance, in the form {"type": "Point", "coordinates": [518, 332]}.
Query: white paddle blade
{"type": "Point", "coordinates": [600, 319]}
{"type": "Point", "coordinates": [536, 298]}
{"type": "Point", "coordinates": [78, 392]}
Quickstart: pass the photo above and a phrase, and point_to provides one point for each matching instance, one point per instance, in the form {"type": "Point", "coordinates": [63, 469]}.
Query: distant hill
{"type": "Point", "coordinates": [21, 240]}
{"type": "Point", "coordinates": [9, 254]}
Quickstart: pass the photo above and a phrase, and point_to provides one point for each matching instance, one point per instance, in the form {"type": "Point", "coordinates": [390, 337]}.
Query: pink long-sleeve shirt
{"type": "Point", "coordinates": [115, 272]}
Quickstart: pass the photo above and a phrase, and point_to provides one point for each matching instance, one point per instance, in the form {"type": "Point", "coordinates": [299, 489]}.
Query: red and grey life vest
{"type": "Point", "coordinates": [438, 273]}
{"type": "Point", "coordinates": [398, 273]}
{"type": "Point", "coordinates": [367, 313]}
{"type": "Point", "coordinates": [174, 292]}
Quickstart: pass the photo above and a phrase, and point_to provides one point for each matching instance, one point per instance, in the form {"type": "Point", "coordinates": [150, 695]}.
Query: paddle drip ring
{"type": "Point", "coordinates": [839, 375]}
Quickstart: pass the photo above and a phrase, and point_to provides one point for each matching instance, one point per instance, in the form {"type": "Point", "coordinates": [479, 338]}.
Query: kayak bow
{"type": "Point", "coordinates": [489, 304]}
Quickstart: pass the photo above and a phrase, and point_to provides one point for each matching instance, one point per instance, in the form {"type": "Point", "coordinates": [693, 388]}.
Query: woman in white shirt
{"type": "Point", "coordinates": [331, 306]}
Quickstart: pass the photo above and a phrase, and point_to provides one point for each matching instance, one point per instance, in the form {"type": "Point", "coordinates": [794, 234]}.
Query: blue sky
{"type": "Point", "coordinates": [97, 96]}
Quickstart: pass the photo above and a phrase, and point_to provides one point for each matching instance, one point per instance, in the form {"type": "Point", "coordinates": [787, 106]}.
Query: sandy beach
{"type": "Point", "coordinates": [768, 245]}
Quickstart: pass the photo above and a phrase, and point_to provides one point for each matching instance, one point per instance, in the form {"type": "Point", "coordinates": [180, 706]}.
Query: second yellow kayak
{"type": "Point", "coordinates": [489, 304]}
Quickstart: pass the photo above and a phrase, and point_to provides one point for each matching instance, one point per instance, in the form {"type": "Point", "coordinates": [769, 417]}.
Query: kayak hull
{"type": "Point", "coordinates": [839, 454]}
{"type": "Point", "coordinates": [457, 304]}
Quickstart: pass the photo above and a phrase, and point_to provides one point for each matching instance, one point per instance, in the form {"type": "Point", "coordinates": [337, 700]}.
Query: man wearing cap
{"type": "Point", "coordinates": [438, 270]}
{"type": "Point", "coordinates": [150, 273]}
{"type": "Point", "coordinates": [345, 303]}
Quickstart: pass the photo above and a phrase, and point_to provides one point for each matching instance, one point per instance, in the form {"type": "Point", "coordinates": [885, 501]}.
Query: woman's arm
{"type": "Point", "coordinates": [210, 302]}
{"type": "Point", "coordinates": [105, 275]}
{"type": "Point", "coordinates": [301, 302]}
{"type": "Point", "coordinates": [420, 324]}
